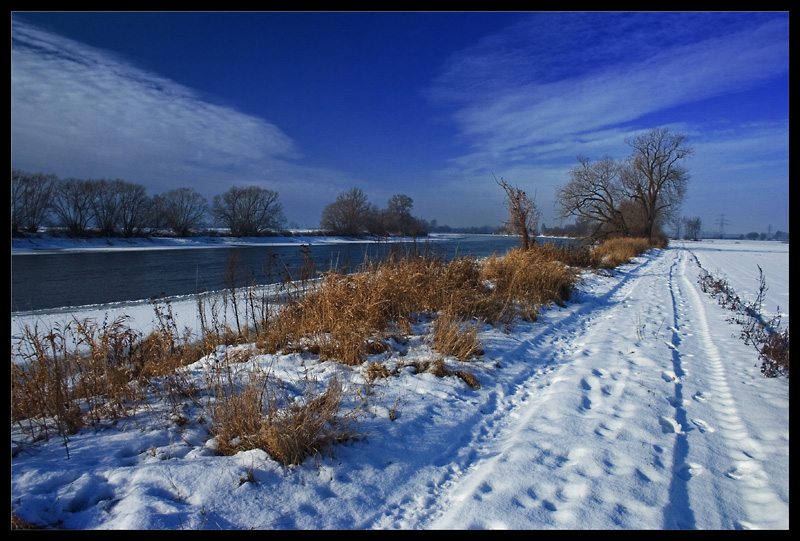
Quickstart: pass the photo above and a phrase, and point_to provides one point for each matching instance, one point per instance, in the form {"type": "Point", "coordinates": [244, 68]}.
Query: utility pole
{"type": "Point", "coordinates": [722, 222]}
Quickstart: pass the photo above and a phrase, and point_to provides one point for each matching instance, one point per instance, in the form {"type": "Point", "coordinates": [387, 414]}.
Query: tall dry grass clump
{"type": "Point", "coordinates": [619, 251]}
{"type": "Point", "coordinates": [347, 317]}
{"type": "Point", "coordinates": [525, 280]}
{"type": "Point", "coordinates": [77, 374]}
{"type": "Point", "coordinates": [454, 337]}
{"type": "Point", "coordinates": [73, 375]}
{"type": "Point", "coordinates": [289, 430]}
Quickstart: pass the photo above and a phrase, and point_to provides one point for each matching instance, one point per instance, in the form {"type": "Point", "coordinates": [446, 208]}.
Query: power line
{"type": "Point", "coordinates": [722, 222]}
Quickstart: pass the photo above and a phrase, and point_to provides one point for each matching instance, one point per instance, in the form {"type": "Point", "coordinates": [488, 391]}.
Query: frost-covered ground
{"type": "Point", "coordinates": [636, 406]}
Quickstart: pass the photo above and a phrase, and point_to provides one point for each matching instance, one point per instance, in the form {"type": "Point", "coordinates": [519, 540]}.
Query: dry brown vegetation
{"type": "Point", "coordinates": [76, 375]}
{"type": "Point", "coordinates": [766, 335]}
{"type": "Point", "coordinates": [259, 416]}
{"type": "Point", "coordinates": [614, 252]}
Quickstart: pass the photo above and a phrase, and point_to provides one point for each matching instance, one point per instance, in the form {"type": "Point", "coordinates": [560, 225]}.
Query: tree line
{"type": "Point", "coordinates": [105, 207]}
{"type": "Point", "coordinates": [82, 207]}
{"type": "Point", "coordinates": [637, 196]}
{"type": "Point", "coordinates": [352, 215]}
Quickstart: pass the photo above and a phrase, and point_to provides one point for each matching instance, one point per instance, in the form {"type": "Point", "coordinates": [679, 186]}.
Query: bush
{"type": "Point", "coordinates": [766, 336]}
{"type": "Point", "coordinates": [525, 280]}
{"type": "Point", "coordinates": [619, 251]}
{"type": "Point", "coordinates": [289, 430]}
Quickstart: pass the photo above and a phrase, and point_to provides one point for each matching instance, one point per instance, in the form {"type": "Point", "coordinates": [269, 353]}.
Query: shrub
{"type": "Point", "coordinates": [766, 336]}
{"type": "Point", "coordinates": [526, 280]}
{"type": "Point", "coordinates": [455, 338]}
{"type": "Point", "coordinates": [618, 251]}
{"type": "Point", "coordinates": [288, 430]}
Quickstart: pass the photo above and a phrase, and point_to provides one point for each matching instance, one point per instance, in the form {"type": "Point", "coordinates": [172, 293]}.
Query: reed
{"type": "Point", "coordinates": [618, 251]}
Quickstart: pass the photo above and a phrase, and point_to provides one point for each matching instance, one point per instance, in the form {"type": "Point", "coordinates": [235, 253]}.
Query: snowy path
{"type": "Point", "coordinates": [596, 369]}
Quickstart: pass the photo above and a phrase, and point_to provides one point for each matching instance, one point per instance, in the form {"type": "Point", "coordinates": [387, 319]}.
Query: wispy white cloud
{"type": "Point", "coordinates": [79, 111]}
{"type": "Point", "coordinates": [525, 102]}
{"type": "Point", "coordinates": [528, 100]}
{"type": "Point", "coordinates": [506, 102]}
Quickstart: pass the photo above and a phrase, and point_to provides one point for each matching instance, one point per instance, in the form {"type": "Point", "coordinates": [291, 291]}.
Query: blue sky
{"type": "Point", "coordinates": [430, 105]}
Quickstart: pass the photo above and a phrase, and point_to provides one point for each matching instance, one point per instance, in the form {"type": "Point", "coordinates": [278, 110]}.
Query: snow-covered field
{"type": "Point", "coordinates": [636, 406]}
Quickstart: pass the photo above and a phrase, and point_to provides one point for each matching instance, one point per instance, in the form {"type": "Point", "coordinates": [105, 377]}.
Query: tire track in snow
{"type": "Point", "coordinates": [699, 442]}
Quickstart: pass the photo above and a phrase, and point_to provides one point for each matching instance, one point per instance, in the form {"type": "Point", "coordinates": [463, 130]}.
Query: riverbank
{"type": "Point", "coordinates": [633, 406]}
{"type": "Point", "coordinates": [48, 244]}
{"type": "Point", "coordinates": [43, 243]}
{"type": "Point", "coordinates": [54, 273]}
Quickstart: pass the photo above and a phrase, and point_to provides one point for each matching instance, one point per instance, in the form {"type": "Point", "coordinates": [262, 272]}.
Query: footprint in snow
{"type": "Point", "coordinates": [688, 470]}
{"type": "Point", "coordinates": [667, 375]}
{"type": "Point", "coordinates": [702, 425]}
{"type": "Point", "coordinates": [669, 426]}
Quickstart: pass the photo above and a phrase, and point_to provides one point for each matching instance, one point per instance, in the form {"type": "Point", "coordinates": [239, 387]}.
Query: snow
{"type": "Point", "coordinates": [50, 243]}
{"type": "Point", "coordinates": [635, 406]}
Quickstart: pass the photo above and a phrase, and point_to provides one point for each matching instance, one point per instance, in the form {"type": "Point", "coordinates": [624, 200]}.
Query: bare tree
{"type": "Point", "coordinates": [31, 197]}
{"type": "Point", "coordinates": [400, 204]}
{"type": "Point", "coordinates": [595, 194]}
{"type": "Point", "coordinates": [523, 214]}
{"type": "Point", "coordinates": [72, 205]}
{"type": "Point", "coordinates": [181, 210]}
{"type": "Point", "coordinates": [654, 177]}
{"type": "Point", "coordinates": [397, 216]}
{"type": "Point", "coordinates": [105, 205]}
{"type": "Point", "coordinates": [248, 211]}
{"type": "Point", "coordinates": [692, 227]}
{"type": "Point", "coordinates": [134, 207]}
{"type": "Point", "coordinates": [350, 214]}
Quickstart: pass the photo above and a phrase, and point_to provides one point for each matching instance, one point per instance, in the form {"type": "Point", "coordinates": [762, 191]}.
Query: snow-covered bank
{"type": "Point", "coordinates": [46, 243]}
{"type": "Point", "coordinates": [634, 406]}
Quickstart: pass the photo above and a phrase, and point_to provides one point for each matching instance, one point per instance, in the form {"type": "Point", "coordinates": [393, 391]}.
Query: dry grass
{"type": "Point", "coordinates": [72, 376]}
{"type": "Point", "coordinates": [527, 280]}
{"type": "Point", "coordinates": [774, 354]}
{"type": "Point", "coordinates": [346, 318]}
{"type": "Point", "coordinates": [619, 251]}
{"type": "Point", "coordinates": [19, 524]}
{"type": "Point", "coordinates": [376, 370]}
{"type": "Point", "coordinates": [69, 376]}
{"type": "Point", "coordinates": [455, 338]}
{"type": "Point", "coordinates": [766, 335]}
{"type": "Point", "coordinates": [440, 369]}
{"type": "Point", "coordinates": [260, 417]}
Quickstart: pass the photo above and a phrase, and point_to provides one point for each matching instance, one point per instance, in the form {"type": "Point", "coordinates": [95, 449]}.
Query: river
{"type": "Point", "coordinates": [58, 279]}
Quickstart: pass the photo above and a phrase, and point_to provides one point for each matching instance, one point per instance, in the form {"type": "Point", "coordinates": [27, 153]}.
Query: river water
{"type": "Point", "coordinates": [68, 279]}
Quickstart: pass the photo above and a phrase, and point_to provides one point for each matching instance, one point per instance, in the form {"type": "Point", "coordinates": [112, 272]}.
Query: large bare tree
{"type": "Point", "coordinates": [31, 197]}
{"type": "Point", "coordinates": [73, 204]}
{"type": "Point", "coordinates": [655, 178]}
{"type": "Point", "coordinates": [134, 208]}
{"type": "Point", "coordinates": [182, 210]}
{"type": "Point", "coordinates": [350, 214]}
{"type": "Point", "coordinates": [248, 211]}
{"type": "Point", "coordinates": [594, 194]}
{"type": "Point", "coordinates": [634, 197]}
